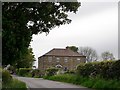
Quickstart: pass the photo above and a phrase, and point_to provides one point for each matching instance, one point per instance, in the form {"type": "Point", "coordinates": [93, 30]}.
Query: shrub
{"type": "Point", "coordinates": [11, 69]}
{"type": "Point", "coordinates": [18, 84]}
{"type": "Point", "coordinates": [0, 73]}
{"type": "Point", "coordinates": [25, 72]}
{"type": "Point", "coordinates": [85, 69]}
{"type": "Point", "coordinates": [104, 69]}
{"type": "Point", "coordinates": [115, 70]}
{"type": "Point", "coordinates": [14, 85]}
{"type": "Point", "coordinates": [6, 77]}
{"type": "Point", "coordinates": [51, 71]}
{"type": "Point", "coordinates": [70, 72]}
{"type": "Point", "coordinates": [36, 73]}
{"type": "Point", "coordinates": [17, 71]}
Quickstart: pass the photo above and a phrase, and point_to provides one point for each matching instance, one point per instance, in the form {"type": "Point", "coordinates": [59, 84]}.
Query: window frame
{"type": "Point", "coordinates": [50, 59]}
{"type": "Point", "coordinates": [66, 59]}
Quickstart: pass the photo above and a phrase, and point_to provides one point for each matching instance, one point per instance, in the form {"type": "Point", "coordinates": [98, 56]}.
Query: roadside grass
{"type": "Point", "coordinates": [14, 85]}
{"type": "Point", "coordinates": [94, 83]}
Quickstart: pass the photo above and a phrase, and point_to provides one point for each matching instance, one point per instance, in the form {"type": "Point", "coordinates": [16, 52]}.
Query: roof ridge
{"type": "Point", "coordinates": [62, 52]}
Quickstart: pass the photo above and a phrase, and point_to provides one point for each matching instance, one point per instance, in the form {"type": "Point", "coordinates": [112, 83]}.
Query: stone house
{"type": "Point", "coordinates": [60, 58]}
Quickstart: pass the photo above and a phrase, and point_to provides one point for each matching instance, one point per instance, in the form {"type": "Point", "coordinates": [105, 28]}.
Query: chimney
{"type": "Point", "coordinates": [67, 48]}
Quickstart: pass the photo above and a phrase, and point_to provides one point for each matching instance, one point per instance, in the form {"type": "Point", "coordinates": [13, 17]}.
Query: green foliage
{"type": "Point", "coordinates": [25, 72]}
{"type": "Point", "coordinates": [6, 77]}
{"type": "Point", "coordinates": [96, 75]}
{"type": "Point", "coordinates": [0, 72]}
{"type": "Point", "coordinates": [95, 83]}
{"type": "Point", "coordinates": [36, 73]}
{"type": "Point", "coordinates": [9, 83]}
{"type": "Point", "coordinates": [115, 70]}
{"type": "Point", "coordinates": [62, 78]}
{"type": "Point", "coordinates": [51, 71]}
{"type": "Point", "coordinates": [28, 72]}
{"type": "Point", "coordinates": [85, 69]}
{"type": "Point", "coordinates": [14, 85]}
{"type": "Point", "coordinates": [73, 48]}
{"type": "Point", "coordinates": [105, 69]}
{"type": "Point", "coordinates": [70, 72]}
{"type": "Point", "coordinates": [11, 69]}
{"type": "Point", "coordinates": [23, 19]}
{"type": "Point", "coordinates": [26, 60]}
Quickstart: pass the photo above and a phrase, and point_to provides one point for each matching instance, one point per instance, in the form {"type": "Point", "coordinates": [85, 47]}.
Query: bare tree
{"type": "Point", "coordinates": [107, 56]}
{"type": "Point", "coordinates": [90, 53]}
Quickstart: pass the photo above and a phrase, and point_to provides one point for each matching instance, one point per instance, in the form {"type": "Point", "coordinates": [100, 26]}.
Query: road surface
{"type": "Point", "coordinates": [42, 83]}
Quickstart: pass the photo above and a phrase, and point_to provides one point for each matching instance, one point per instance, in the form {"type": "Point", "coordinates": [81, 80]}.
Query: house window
{"type": "Point", "coordinates": [57, 59]}
{"type": "Point", "coordinates": [49, 59]}
{"type": "Point", "coordinates": [78, 59]}
{"type": "Point", "coordinates": [66, 59]}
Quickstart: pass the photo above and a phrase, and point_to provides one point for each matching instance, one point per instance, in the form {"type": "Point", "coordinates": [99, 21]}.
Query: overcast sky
{"type": "Point", "coordinates": [94, 25]}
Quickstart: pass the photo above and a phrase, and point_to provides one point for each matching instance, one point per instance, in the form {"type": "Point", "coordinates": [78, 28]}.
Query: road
{"type": "Point", "coordinates": [34, 83]}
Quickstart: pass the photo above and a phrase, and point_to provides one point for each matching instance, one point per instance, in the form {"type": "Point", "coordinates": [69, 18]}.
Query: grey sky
{"type": "Point", "coordinates": [94, 25]}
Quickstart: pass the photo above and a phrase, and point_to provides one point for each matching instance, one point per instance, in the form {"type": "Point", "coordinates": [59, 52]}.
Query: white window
{"type": "Point", "coordinates": [57, 59]}
{"type": "Point", "coordinates": [66, 59]}
{"type": "Point", "coordinates": [49, 59]}
{"type": "Point", "coordinates": [78, 59]}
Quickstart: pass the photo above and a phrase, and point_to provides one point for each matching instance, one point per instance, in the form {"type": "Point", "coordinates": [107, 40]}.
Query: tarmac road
{"type": "Point", "coordinates": [42, 84]}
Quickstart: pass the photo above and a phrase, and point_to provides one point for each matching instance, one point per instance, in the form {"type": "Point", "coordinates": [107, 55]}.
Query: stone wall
{"type": "Point", "coordinates": [70, 63]}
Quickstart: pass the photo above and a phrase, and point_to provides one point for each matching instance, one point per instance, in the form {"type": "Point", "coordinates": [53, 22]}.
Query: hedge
{"type": "Point", "coordinates": [104, 69]}
{"type": "Point", "coordinates": [36, 73]}
{"type": "Point", "coordinates": [25, 72]}
{"type": "Point", "coordinates": [51, 71]}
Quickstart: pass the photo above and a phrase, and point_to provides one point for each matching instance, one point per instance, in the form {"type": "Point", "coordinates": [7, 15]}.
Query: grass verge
{"type": "Point", "coordinates": [95, 83]}
{"type": "Point", "coordinates": [14, 85]}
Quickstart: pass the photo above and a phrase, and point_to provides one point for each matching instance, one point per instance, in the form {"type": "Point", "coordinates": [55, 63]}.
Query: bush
{"type": "Point", "coordinates": [0, 73]}
{"type": "Point", "coordinates": [6, 77]}
{"type": "Point", "coordinates": [25, 72]}
{"type": "Point", "coordinates": [36, 73]}
{"type": "Point", "coordinates": [104, 69]}
{"type": "Point", "coordinates": [28, 72]}
{"type": "Point", "coordinates": [70, 72]}
{"type": "Point", "coordinates": [86, 69]}
{"type": "Point", "coordinates": [115, 70]}
{"type": "Point", "coordinates": [11, 69]}
{"type": "Point", "coordinates": [9, 83]}
{"type": "Point", "coordinates": [51, 71]}
{"type": "Point", "coordinates": [14, 85]}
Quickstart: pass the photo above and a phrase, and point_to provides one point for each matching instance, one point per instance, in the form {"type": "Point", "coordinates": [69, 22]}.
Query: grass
{"type": "Point", "coordinates": [14, 85]}
{"type": "Point", "coordinates": [95, 83]}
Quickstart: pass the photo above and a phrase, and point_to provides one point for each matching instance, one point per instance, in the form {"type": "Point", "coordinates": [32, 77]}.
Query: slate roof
{"type": "Point", "coordinates": [62, 52]}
